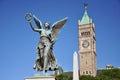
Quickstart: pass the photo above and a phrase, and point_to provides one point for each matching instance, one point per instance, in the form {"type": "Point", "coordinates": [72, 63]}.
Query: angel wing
{"type": "Point", "coordinates": [38, 22]}
{"type": "Point", "coordinates": [56, 28]}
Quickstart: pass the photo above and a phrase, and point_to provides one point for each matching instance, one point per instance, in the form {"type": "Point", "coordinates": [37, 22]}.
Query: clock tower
{"type": "Point", "coordinates": [87, 45]}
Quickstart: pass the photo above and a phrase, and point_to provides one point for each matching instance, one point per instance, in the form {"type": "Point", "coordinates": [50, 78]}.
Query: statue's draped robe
{"type": "Point", "coordinates": [44, 43]}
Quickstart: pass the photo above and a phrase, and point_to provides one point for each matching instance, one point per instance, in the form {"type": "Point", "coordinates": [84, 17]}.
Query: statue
{"type": "Point", "coordinates": [45, 60]}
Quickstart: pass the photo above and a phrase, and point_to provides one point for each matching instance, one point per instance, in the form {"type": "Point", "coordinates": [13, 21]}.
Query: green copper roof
{"type": "Point", "coordinates": [85, 18]}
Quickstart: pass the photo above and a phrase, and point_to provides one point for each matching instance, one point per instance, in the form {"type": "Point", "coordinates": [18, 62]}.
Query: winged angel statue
{"type": "Point", "coordinates": [45, 60]}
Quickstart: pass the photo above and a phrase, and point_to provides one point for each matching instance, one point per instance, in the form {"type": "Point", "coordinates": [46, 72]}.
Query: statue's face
{"type": "Point", "coordinates": [47, 24]}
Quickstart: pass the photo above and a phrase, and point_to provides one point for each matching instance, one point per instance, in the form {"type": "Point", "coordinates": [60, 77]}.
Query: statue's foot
{"type": "Point", "coordinates": [34, 68]}
{"type": "Point", "coordinates": [44, 72]}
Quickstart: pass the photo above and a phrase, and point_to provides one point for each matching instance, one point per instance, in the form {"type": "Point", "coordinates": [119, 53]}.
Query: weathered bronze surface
{"type": "Point", "coordinates": [45, 60]}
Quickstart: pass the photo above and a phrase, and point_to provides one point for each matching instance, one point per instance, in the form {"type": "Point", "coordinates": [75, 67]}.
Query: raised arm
{"type": "Point", "coordinates": [29, 17]}
{"type": "Point", "coordinates": [37, 30]}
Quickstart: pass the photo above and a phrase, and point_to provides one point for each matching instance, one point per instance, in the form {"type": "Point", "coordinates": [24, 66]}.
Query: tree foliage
{"type": "Point", "coordinates": [62, 77]}
{"type": "Point", "coordinates": [106, 74]}
{"type": "Point", "coordinates": [109, 74]}
{"type": "Point", "coordinates": [86, 77]}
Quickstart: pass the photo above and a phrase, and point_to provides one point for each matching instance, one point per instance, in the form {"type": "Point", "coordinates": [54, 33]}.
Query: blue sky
{"type": "Point", "coordinates": [18, 42]}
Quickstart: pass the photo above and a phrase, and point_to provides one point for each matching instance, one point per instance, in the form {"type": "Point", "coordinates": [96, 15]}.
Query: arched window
{"type": "Point", "coordinates": [83, 72]}
{"type": "Point", "coordinates": [86, 72]}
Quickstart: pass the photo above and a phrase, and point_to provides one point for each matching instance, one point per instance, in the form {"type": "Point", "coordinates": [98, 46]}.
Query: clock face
{"type": "Point", "coordinates": [85, 44]}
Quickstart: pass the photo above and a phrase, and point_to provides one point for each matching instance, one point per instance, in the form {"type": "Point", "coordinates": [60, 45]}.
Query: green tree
{"type": "Point", "coordinates": [62, 77]}
{"type": "Point", "coordinates": [70, 78]}
{"type": "Point", "coordinates": [87, 77]}
{"type": "Point", "coordinates": [109, 74]}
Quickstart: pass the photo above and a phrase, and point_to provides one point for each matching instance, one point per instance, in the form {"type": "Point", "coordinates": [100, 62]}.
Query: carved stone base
{"type": "Point", "coordinates": [40, 77]}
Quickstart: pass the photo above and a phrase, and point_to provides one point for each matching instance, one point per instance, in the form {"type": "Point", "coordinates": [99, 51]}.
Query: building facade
{"type": "Point", "coordinates": [87, 45]}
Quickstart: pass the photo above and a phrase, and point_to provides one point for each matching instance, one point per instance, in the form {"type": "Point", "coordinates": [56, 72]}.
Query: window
{"type": "Point", "coordinates": [86, 72]}
{"type": "Point", "coordinates": [94, 38]}
{"type": "Point", "coordinates": [85, 33]}
{"type": "Point", "coordinates": [83, 72]}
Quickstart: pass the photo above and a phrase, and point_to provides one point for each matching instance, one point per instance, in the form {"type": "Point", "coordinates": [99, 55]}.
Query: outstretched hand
{"type": "Point", "coordinates": [28, 17]}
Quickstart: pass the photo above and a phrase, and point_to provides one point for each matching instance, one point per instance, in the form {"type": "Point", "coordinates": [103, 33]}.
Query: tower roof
{"type": "Point", "coordinates": [85, 18]}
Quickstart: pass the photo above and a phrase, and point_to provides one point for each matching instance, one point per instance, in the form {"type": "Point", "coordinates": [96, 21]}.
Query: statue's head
{"type": "Point", "coordinates": [47, 25]}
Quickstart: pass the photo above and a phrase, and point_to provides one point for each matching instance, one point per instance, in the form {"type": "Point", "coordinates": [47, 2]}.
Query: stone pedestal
{"type": "Point", "coordinates": [40, 77]}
